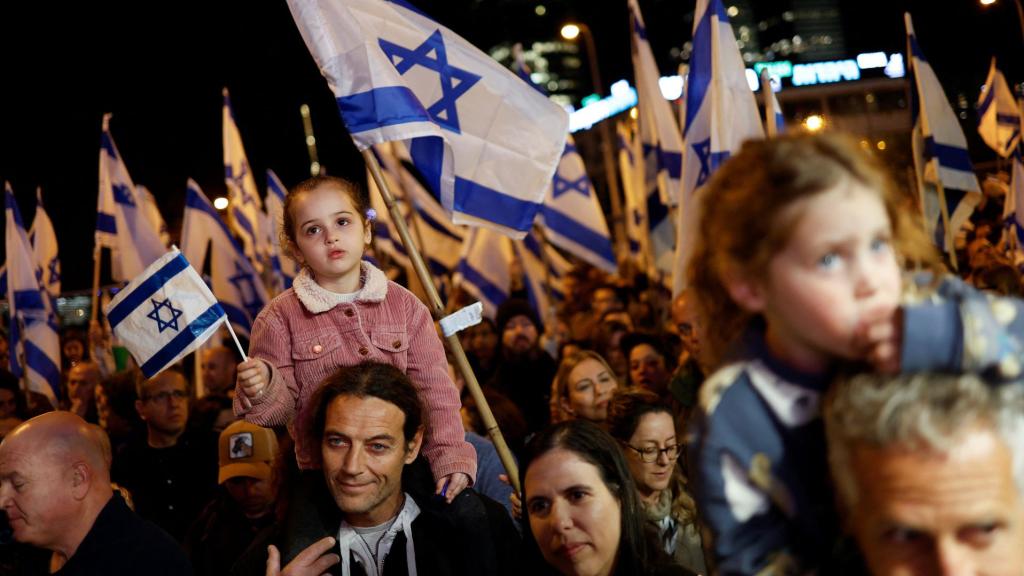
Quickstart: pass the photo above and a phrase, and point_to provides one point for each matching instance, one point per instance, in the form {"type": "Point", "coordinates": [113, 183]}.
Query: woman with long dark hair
{"type": "Point", "coordinates": [583, 517]}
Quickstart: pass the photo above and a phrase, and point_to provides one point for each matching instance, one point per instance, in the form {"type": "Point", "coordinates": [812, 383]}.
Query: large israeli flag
{"type": "Point", "coordinates": [572, 215]}
{"type": "Point", "coordinates": [121, 222]}
{"type": "Point", "coordinates": [285, 269]}
{"type": "Point", "coordinates": [245, 213]}
{"type": "Point", "coordinates": [658, 128]}
{"type": "Point", "coordinates": [484, 269]}
{"type": "Point", "coordinates": [998, 116]}
{"type": "Point", "coordinates": [234, 281]}
{"type": "Point", "coordinates": [721, 113]}
{"type": "Point", "coordinates": [948, 186]}
{"type": "Point", "coordinates": [164, 313]}
{"type": "Point", "coordinates": [44, 247]}
{"type": "Point", "coordinates": [33, 339]}
{"type": "Point", "coordinates": [486, 143]}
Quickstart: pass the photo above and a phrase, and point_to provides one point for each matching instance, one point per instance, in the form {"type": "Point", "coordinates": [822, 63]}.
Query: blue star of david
{"type": "Point", "coordinates": [246, 287]}
{"type": "Point", "coordinates": [54, 268]}
{"type": "Point", "coordinates": [561, 186]}
{"type": "Point", "coordinates": [454, 81]}
{"type": "Point", "coordinates": [239, 180]}
{"type": "Point", "coordinates": [160, 322]}
{"type": "Point", "coordinates": [708, 160]}
{"type": "Point", "coordinates": [123, 195]}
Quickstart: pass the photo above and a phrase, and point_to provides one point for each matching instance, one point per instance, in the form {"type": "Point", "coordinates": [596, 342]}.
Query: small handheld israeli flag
{"type": "Point", "coordinates": [998, 117]}
{"type": "Point", "coordinates": [165, 313]}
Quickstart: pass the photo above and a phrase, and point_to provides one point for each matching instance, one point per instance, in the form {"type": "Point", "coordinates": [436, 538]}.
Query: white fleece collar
{"type": "Point", "coordinates": [317, 299]}
{"type": "Point", "coordinates": [349, 543]}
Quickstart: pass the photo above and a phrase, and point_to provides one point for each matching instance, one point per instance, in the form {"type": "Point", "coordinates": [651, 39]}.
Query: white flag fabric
{"type": "Point", "coordinates": [152, 212]}
{"type": "Point", "coordinates": [234, 280]}
{"type": "Point", "coordinates": [484, 269]}
{"type": "Point", "coordinates": [44, 246]}
{"type": "Point", "coordinates": [33, 338]}
{"type": "Point", "coordinates": [246, 209]}
{"type": "Point", "coordinates": [164, 314]}
{"type": "Point", "coordinates": [285, 269]}
{"type": "Point", "coordinates": [486, 143]}
{"type": "Point", "coordinates": [121, 222]}
{"type": "Point", "coordinates": [940, 151]}
{"type": "Point", "coordinates": [998, 116]}
{"type": "Point", "coordinates": [572, 215]}
{"type": "Point", "coordinates": [721, 113]}
{"type": "Point", "coordinates": [1012, 216]}
{"type": "Point", "coordinates": [658, 127]}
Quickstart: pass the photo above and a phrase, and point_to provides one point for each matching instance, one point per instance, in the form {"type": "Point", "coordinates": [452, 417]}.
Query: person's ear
{"type": "Point", "coordinates": [563, 403]}
{"type": "Point", "coordinates": [81, 479]}
{"type": "Point", "coordinates": [747, 292]}
{"type": "Point", "coordinates": [367, 227]}
{"type": "Point", "coordinates": [412, 449]}
{"type": "Point", "coordinates": [138, 408]}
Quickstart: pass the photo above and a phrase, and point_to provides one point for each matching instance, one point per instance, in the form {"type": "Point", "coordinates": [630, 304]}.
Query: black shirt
{"type": "Point", "coordinates": [122, 543]}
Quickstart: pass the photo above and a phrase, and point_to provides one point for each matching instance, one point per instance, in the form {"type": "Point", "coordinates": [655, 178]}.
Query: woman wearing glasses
{"type": "Point", "coordinates": [643, 425]}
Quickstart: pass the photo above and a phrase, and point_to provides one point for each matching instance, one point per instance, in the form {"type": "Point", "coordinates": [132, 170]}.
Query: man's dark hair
{"type": "Point", "coordinates": [369, 380]}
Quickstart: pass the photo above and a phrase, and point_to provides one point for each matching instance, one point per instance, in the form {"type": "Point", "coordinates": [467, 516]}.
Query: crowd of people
{"type": "Point", "coordinates": [824, 397]}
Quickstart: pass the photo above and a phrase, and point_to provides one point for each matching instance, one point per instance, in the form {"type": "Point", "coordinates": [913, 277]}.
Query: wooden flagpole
{"type": "Point", "coordinates": [770, 129]}
{"type": "Point", "coordinates": [437, 310]}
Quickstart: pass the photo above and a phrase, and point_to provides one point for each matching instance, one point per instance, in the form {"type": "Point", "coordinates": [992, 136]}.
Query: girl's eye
{"type": "Point", "coordinates": [829, 261]}
{"type": "Point", "coordinates": [343, 221]}
{"type": "Point", "coordinates": [583, 386]}
{"type": "Point", "coordinates": [312, 230]}
{"type": "Point", "coordinates": [879, 244]}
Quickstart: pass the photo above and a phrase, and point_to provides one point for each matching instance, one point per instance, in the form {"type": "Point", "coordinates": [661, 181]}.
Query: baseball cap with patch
{"type": "Point", "coordinates": [246, 450]}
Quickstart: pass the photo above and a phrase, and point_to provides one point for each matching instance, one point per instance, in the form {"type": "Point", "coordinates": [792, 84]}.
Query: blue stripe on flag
{"type": "Point", "coordinates": [107, 143]}
{"type": "Point", "coordinates": [37, 360]}
{"type": "Point", "coordinates": [243, 221]}
{"type": "Point", "coordinates": [28, 300]}
{"type": "Point", "coordinates": [471, 198]}
{"type": "Point", "coordinates": [573, 230]}
{"type": "Point", "coordinates": [989, 98]}
{"type": "Point", "coordinates": [949, 156]}
{"type": "Point", "coordinates": [106, 223]}
{"type": "Point", "coordinates": [122, 194]}
{"type": "Point", "coordinates": [671, 161]}
{"type": "Point", "coordinates": [1008, 119]}
{"type": "Point", "coordinates": [490, 291]}
{"type": "Point", "coordinates": [194, 200]}
{"type": "Point", "coordinates": [152, 284]}
{"type": "Point", "coordinates": [381, 107]}
{"type": "Point", "coordinates": [237, 316]}
{"type": "Point", "coordinates": [441, 228]}
{"type": "Point", "coordinates": [700, 69]}
{"type": "Point", "coordinates": [187, 336]}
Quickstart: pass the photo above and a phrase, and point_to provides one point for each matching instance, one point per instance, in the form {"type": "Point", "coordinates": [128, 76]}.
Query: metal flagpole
{"type": "Point", "coordinates": [437, 310]}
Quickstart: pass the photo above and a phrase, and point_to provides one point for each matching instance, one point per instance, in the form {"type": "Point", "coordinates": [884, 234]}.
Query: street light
{"type": "Point", "coordinates": [1020, 12]}
{"type": "Point", "coordinates": [571, 31]}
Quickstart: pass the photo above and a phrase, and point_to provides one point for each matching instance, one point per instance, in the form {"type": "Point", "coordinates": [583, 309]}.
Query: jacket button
{"type": "Point", "coordinates": [397, 344]}
{"type": "Point", "coordinates": [349, 312]}
{"type": "Point", "coordinates": [363, 351]}
{"type": "Point", "coordinates": [317, 349]}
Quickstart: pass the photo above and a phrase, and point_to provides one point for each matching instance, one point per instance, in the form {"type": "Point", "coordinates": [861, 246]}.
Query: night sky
{"type": "Point", "coordinates": [160, 67]}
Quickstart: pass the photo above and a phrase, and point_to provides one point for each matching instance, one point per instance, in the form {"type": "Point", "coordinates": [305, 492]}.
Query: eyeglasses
{"type": "Point", "coordinates": [650, 453]}
{"type": "Point", "coordinates": [166, 394]}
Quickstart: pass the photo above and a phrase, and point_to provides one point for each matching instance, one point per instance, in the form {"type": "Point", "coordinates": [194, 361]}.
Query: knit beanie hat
{"type": "Point", "coordinates": [511, 308]}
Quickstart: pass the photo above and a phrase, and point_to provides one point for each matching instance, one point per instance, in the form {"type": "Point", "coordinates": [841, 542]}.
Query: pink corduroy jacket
{"type": "Point", "coordinates": [304, 336]}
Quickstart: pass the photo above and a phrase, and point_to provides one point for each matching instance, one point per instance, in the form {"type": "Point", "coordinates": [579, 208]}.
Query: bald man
{"type": "Point", "coordinates": [219, 371]}
{"type": "Point", "coordinates": [55, 489]}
